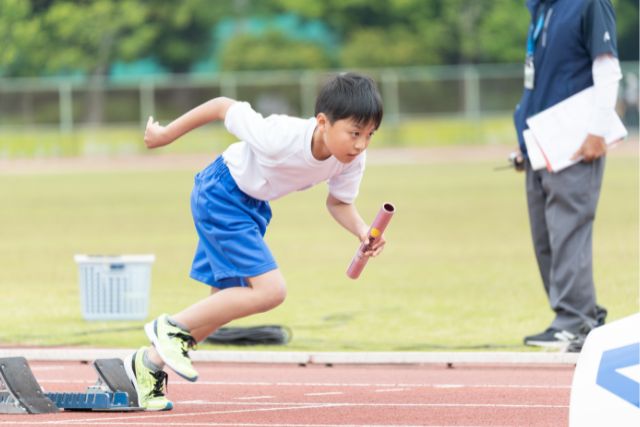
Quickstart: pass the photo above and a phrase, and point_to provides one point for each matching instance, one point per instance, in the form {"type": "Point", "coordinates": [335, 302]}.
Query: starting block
{"type": "Point", "coordinates": [20, 392]}
{"type": "Point", "coordinates": [113, 377]}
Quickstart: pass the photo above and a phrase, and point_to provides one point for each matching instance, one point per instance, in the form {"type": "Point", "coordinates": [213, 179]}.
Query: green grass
{"type": "Point", "coordinates": [436, 131]}
{"type": "Point", "coordinates": [43, 143]}
{"type": "Point", "coordinates": [458, 271]}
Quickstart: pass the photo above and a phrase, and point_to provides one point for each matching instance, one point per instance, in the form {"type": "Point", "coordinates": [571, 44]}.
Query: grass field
{"type": "Point", "coordinates": [458, 271]}
{"type": "Point", "coordinates": [119, 140]}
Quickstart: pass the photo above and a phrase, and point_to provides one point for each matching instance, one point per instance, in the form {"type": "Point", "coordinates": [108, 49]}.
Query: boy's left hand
{"type": "Point", "coordinates": [374, 246]}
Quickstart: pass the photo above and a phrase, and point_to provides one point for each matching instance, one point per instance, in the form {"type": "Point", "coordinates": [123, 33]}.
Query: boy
{"type": "Point", "coordinates": [230, 206]}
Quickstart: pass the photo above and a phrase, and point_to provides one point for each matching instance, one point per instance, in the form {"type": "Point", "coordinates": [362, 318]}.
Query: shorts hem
{"type": "Point", "coordinates": [202, 280]}
{"type": "Point", "coordinates": [261, 269]}
{"type": "Point", "coordinates": [264, 268]}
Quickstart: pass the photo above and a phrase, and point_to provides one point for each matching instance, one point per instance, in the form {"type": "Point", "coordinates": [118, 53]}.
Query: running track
{"type": "Point", "coordinates": [316, 395]}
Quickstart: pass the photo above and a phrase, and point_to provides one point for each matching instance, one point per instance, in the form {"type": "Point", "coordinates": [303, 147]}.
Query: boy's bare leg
{"type": "Point", "coordinates": [204, 331]}
{"type": "Point", "coordinates": [201, 333]}
{"type": "Point", "coordinates": [265, 292]}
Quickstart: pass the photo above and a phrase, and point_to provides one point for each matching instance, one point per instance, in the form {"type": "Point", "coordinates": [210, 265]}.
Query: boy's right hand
{"type": "Point", "coordinates": [372, 249]}
{"type": "Point", "coordinates": [155, 135]}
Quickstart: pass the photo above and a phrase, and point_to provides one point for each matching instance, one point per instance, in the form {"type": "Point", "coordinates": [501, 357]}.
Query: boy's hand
{"type": "Point", "coordinates": [155, 135]}
{"type": "Point", "coordinates": [373, 245]}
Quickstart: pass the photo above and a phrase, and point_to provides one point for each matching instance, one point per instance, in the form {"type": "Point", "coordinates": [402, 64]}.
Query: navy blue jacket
{"type": "Point", "coordinates": [574, 34]}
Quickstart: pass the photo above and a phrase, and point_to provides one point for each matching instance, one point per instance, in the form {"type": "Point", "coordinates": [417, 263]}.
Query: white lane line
{"type": "Point", "coordinates": [283, 406]}
{"type": "Point", "coordinates": [66, 382]}
{"type": "Point", "coordinates": [376, 385]}
{"type": "Point", "coordinates": [293, 405]}
{"type": "Point", "coordinates": [326, 393]}
{"type": "Point", "coordinates": [47, 368]}
{"type": "Point", "coordinates": [165, 415]}
{"type": "Point", "coordinates": [214, 424]}
{"type": "Point", "coordinates": [379, 404]}
{"type": "Point", "coordinates": [344, 385]}
{"type": "Point", "coordinates": [254, 397]}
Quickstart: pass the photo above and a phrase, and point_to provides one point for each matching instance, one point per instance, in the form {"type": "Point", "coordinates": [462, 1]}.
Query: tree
{"type": "Point", "coordinates": [69, 37]}
{"type": "Point", "coordinates": [502, 32]}
{"type": "Point", "coordinates": [18, 33]}
{"type": "Point", "coordinates": [421, 32]}
{"type": "Point", "coordinates": [182, 30]}
{"type": "Point", "coordinates": [45, 37]}
{"type": "Point", "coordinates": [64, 36]}
{"type": "Point", "coordinates": [627, 25]}
{"type": "Point", "coordinates": [272, 50]}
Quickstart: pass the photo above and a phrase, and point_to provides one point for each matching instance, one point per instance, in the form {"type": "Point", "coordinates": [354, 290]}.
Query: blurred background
{"type": "Point", "coordinates": [68, 66]}
{"type": "Point", "coordinates": [78, 80]}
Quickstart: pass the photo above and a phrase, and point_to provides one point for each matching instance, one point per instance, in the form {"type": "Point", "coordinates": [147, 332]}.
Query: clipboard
{"type": "Point", "coordinates": [560, 130]}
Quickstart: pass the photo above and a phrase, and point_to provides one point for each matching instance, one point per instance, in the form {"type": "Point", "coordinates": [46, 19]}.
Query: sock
{"type": "Point", "coordinates": [149, 363]}
{"type": "Point", "coordinates": [177, 324]}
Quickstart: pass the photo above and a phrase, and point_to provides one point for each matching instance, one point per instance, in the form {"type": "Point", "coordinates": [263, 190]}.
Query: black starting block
{"type": "Point", "coordinates": [113, 377]}
{"type": "Point", "coordinates": [20, 392]}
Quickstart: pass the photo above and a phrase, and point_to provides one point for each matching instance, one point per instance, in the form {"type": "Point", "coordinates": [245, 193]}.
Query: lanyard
{"type": "Point", "coordinates": [534, 33]}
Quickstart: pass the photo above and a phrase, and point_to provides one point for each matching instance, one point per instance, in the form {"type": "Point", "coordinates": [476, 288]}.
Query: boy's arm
{"type": "Point", "coordinates": [347, 215]}
{"type": "Point", "coordinates": [215, 109]}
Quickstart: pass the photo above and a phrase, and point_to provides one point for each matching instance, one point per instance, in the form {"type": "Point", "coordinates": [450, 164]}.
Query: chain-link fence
{"type": "Point", "coordinates": [464, 91]}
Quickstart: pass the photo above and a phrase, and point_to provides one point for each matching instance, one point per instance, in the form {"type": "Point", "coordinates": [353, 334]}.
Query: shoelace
{"type": "Point", "coordinates": [162, 379]}
{"type": "Point", "coordinates": [187, 341]}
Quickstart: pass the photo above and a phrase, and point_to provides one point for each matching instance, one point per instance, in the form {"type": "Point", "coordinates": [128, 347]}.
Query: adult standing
{"type": "Point", "coordinates": [571, 45]}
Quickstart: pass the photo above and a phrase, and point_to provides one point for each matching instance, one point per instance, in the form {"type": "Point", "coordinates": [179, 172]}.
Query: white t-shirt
{"type": "Point", "coordinates": [273, 157]}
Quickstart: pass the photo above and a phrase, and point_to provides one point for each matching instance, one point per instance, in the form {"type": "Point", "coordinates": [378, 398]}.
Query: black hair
{"type": "Point", "coordinates": [350, 95]}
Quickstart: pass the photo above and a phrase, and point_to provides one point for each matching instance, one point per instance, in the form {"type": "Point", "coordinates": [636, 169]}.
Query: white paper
{"type": "Point", "coordinates": [536, 158]}
{"type": "Point", "coordinates": [561, 129]}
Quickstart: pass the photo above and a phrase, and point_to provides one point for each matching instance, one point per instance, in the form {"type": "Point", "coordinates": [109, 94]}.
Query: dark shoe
{"type": "Point", "coordinates": [601, 315]}
{"type": "Point", "coordinates": [575, 346]}
{"type": "Point", "coordinates": [551, 338]}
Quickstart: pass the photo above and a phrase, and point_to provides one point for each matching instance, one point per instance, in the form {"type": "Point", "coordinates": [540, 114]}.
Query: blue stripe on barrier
{"type": "Point", "coordinates": [613, 381]}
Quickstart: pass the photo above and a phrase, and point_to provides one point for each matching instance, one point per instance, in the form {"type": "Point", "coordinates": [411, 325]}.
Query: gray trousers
{"type": "Point", "coordinates": [562, 208]}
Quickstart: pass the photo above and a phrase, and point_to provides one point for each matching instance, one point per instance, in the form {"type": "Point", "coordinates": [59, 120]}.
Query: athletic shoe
{"type": "Point", "coordinates": [172, 344]}
{"type": "Point", "coordinates": [575, 346]}
{"type": "Point", "coordinates": [551, 338]}
{"type": "Point", "coordinates": [571, 342]}
{"type": "Point", "coordinates": [601, 315]}
{"type": "Point", "coordinates": [150, 386]}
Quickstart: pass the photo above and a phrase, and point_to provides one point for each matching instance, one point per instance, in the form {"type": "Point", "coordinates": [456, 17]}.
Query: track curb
{"type": "Point", "coordinates": [324, 358]}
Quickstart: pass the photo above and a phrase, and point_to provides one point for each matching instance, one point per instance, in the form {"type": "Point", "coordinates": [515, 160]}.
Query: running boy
{"type": "Point", "coordinates": [230, 206]}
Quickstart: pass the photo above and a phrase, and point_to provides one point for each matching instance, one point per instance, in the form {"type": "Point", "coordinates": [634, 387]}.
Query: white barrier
{"type": "Point", "coordinates": [606, 382]}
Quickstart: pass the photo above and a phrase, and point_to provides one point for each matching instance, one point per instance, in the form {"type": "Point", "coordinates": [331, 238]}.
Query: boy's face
{"type": "Point", "coordinates": [345, 139]}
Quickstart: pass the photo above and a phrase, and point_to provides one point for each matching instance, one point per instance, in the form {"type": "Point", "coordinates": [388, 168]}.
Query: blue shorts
{"type": "Point", "coordinates": [231, 226]}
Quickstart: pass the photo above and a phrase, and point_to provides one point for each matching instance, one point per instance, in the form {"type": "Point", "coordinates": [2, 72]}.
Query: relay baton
{"type": "Point", "coordinates": [377, 228]}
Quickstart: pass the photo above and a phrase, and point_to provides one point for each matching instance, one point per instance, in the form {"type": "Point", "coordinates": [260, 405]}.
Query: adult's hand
{"type": "Point", "coordinates": [592, 148]}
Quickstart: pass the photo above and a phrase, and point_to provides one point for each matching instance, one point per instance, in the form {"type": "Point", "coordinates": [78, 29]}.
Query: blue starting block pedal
{"type": "Point", "coordinates": [20, 392]}
{"type": "Point", "coordinates": [92, 401]}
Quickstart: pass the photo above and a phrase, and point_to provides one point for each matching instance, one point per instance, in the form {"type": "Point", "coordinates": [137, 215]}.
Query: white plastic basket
{"type": "Point", "coordinates": [114, 287]}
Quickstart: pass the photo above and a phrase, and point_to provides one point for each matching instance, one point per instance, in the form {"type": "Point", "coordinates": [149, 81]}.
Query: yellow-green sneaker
{"type": "Point", "coordinates": [172, 344]}
{"type": "Point", "coordinates": [149, 385]}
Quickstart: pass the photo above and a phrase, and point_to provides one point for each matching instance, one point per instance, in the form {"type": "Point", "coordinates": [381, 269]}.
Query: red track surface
{"type": "Point", "coordinates": [346, 395]}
